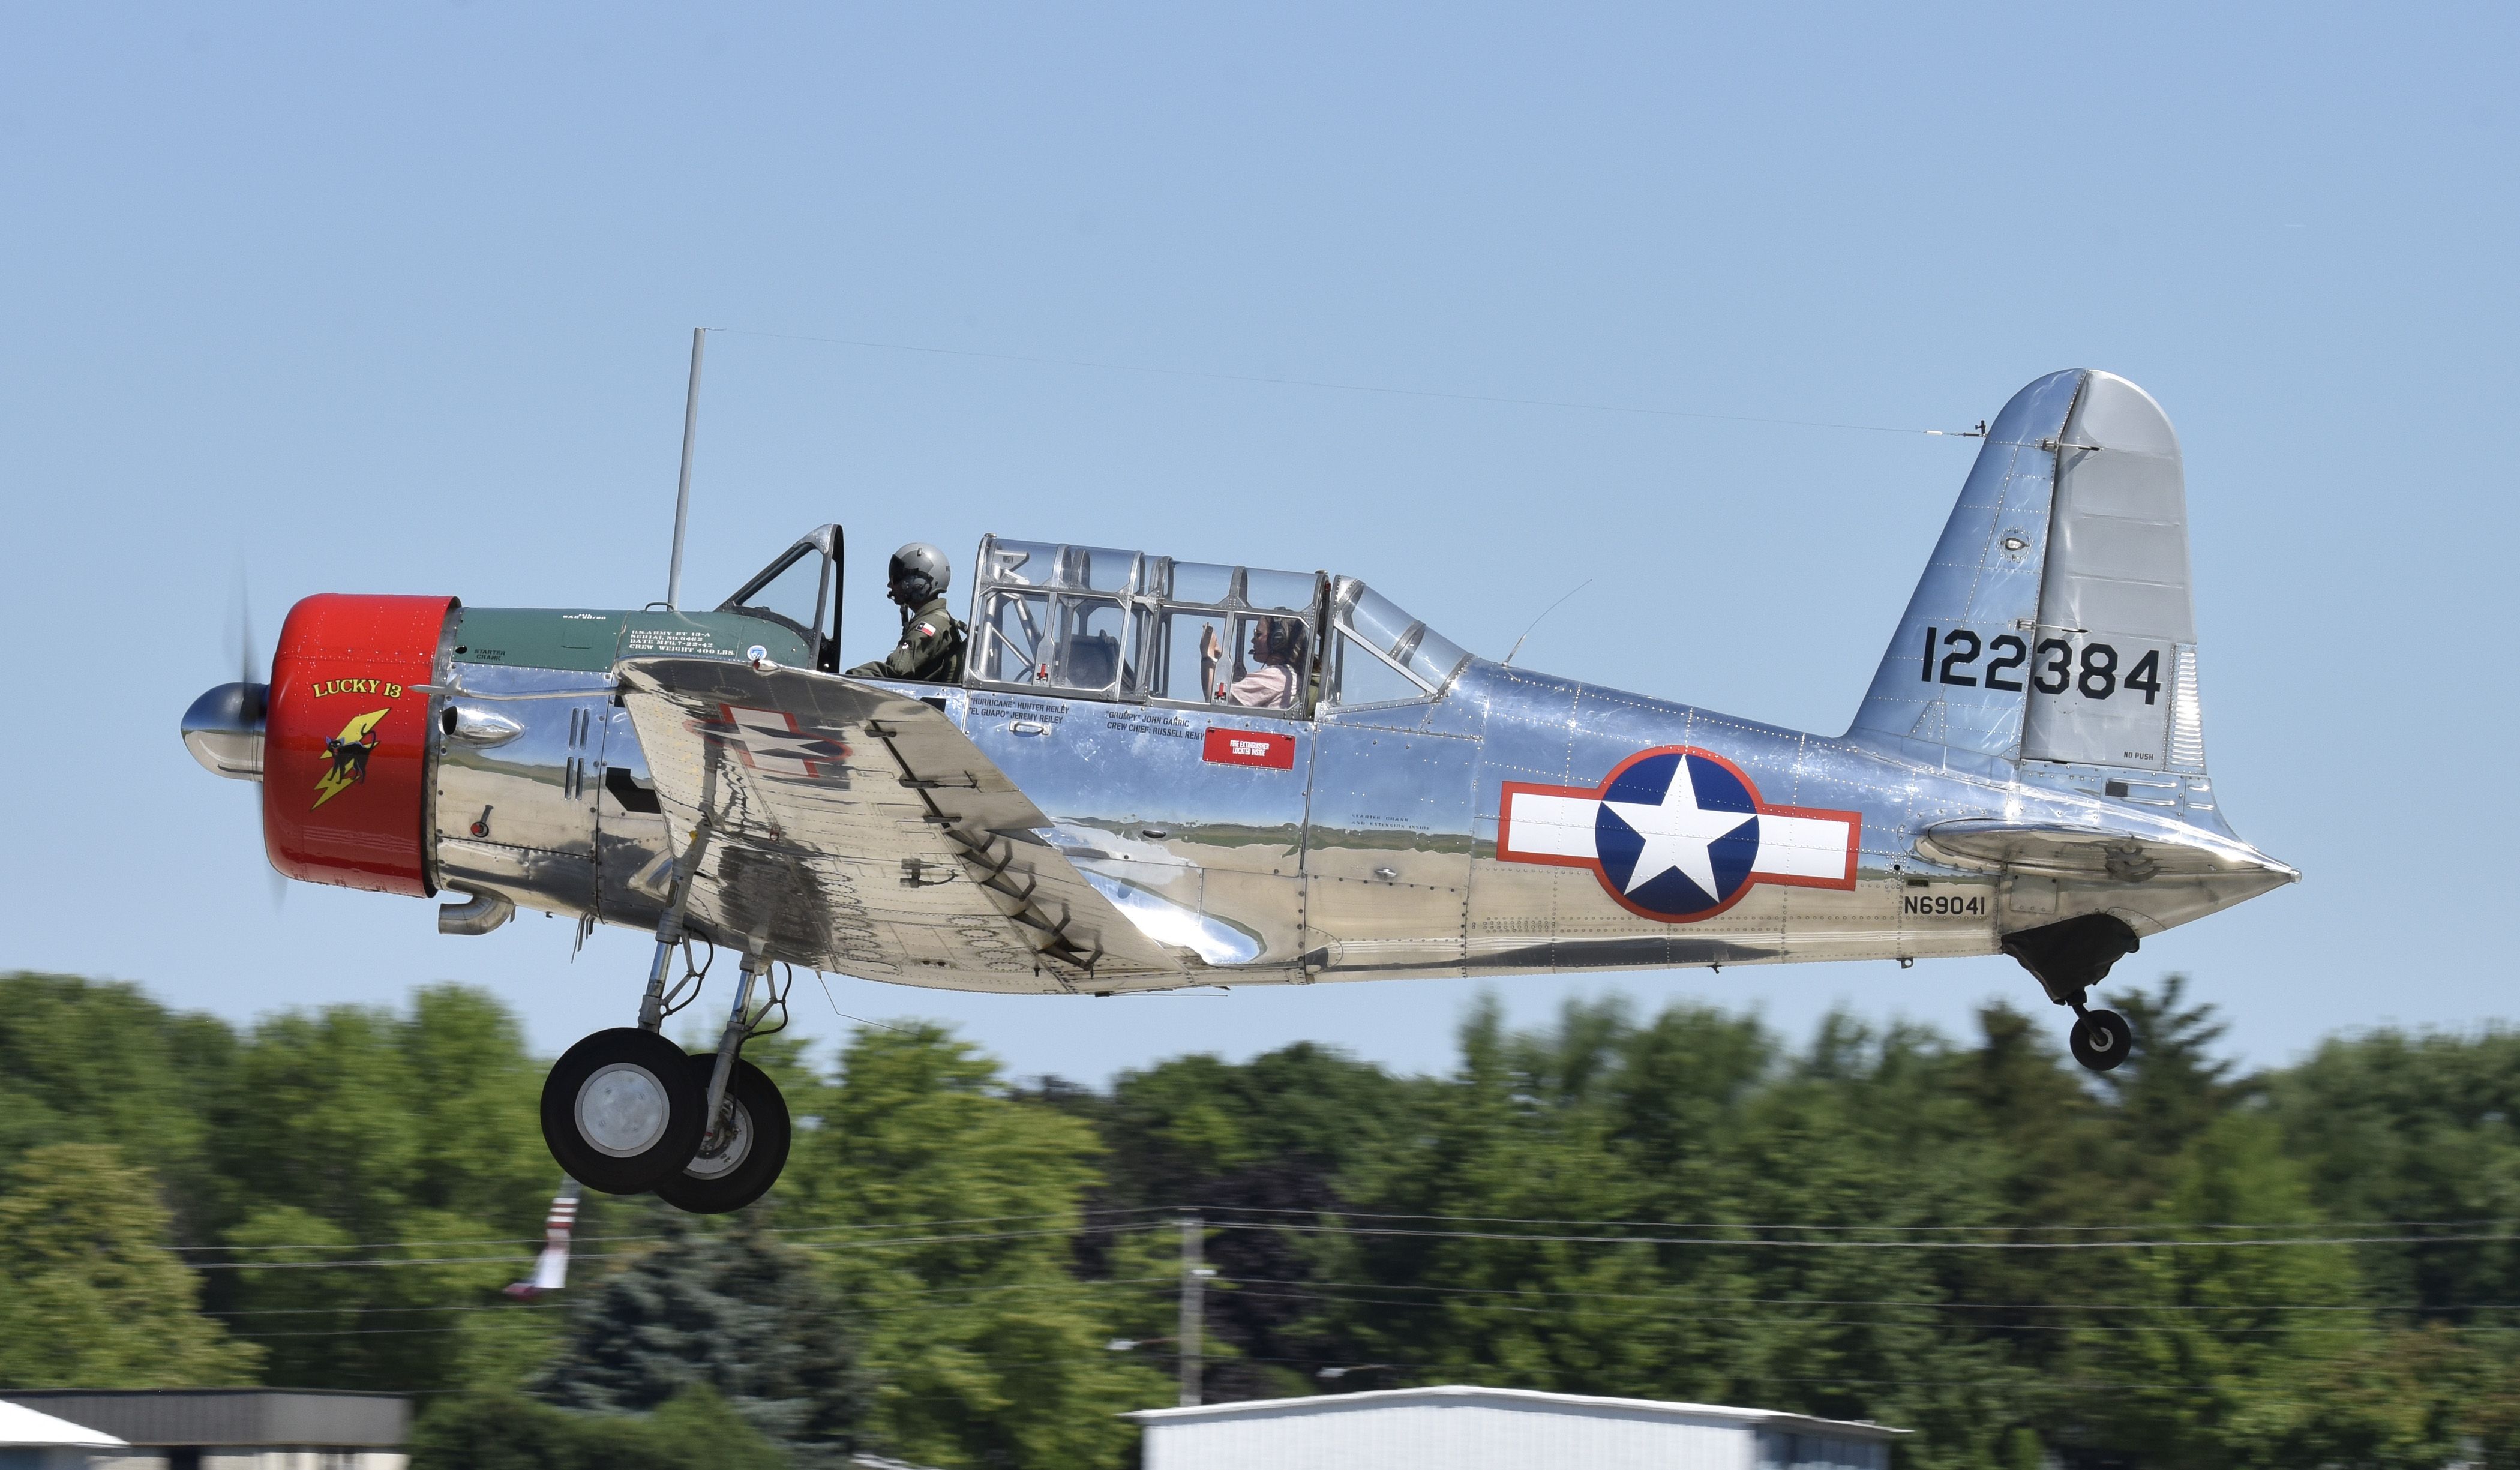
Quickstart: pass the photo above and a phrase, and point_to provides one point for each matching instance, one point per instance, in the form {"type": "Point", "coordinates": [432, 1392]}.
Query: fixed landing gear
{"type": "Point", "coordinates": [2070, 957]}
{"type": "Point", "coordinates": [2099, 1038]}
{"type": "Point", "coordinates": [626, 1111]}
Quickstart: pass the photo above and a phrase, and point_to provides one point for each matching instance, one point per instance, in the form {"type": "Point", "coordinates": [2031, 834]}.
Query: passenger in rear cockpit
{"type": "Point", "coordinates": [1277, 653]}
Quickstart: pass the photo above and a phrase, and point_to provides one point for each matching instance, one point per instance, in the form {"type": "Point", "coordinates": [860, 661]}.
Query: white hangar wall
{"type": "Point", "coordinates": [1458, 1428]}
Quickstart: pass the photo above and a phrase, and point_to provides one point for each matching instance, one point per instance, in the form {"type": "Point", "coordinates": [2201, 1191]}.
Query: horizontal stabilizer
{"type": "Point", "coordinates": [2056, 851]}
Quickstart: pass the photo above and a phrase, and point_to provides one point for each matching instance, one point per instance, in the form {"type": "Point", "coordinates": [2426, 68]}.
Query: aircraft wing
{"type": "Point", "coordinates": [2058, 851]}
{"type": "Point", "coordinates": [857, 830]}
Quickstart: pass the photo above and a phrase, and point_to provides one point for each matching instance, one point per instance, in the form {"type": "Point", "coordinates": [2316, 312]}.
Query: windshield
{"type": "Point", "coordinates": [1374, 621]}
{"type": "Point", "coordinates": [799, 592]}
{"type": "Point", "coordinates": [791, 595]}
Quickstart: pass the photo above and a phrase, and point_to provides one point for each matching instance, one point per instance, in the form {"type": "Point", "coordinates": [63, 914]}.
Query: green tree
{"type": "Point", "coordinates": [949, 1207]}
{"type": "Point", "coordinates": [359, 1115]}
{"type": "Point", "coordinates": [357, 1134]}
{"type": "Point", "coordinates": [493, 1429]}
{"type": "Point", "coordinates": [421, 1316]}
{"type": "Point", "coordinates": [2255, 1355]}
{"type": "Point", "coordinates": [1268, 1139]}
{"type": "Point", "coordinates": [2423, 1129]}
{"type": "Point", "coordinates": [89, 1293]}
{"type": "Point", "coordinates": [736, 1312]}
{"type": "Point", "coordinates": [2173, 1086]}
{"type": "Point", "coordinates": [1860, 1150]}
{"type": "Point", "coordinates": [1514, 1136]}
{"type": "Point", "coordinates": [89, 1061]}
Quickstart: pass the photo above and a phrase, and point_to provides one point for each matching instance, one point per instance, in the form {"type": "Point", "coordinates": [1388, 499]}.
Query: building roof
{"type": "Point", "coordinates": [1530, 1399]}
{"type": "Point", "coordinates": [231, 1418]}
{"type": "Point", "coordinates": [24, 1428]}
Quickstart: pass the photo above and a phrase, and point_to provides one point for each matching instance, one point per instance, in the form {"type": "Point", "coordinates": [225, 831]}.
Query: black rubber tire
{"type": "Point", "coordinates": [759, 1111]}
{"type": "Point", "coordinates": [2100, 1040]}
{"type": "Point", "coordinates": [663, 1147]}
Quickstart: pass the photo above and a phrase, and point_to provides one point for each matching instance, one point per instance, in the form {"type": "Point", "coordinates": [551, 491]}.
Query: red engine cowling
{"type": "Point", "coordinates": [346, 738]}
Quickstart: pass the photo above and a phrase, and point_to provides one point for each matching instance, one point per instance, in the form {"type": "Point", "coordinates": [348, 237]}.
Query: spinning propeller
{"type": "Point", "coordinates": [224, 727]}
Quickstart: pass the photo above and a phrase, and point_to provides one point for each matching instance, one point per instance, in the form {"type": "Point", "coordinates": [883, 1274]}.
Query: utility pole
{"type": "Point", "coordinates": [682, 491]}
{"type": "Point", "coordinates": [1193, 1281]}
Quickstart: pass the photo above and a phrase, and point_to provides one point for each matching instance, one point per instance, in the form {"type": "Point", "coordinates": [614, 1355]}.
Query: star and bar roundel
{"type": "Point", "coordinates": [1677, 833]}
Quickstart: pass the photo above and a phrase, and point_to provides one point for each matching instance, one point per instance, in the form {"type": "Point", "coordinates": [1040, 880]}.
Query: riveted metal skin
{"type": "Point", "coordinates": [519, 816]}
{"type": "Point", "coordinates": [1093, 810]}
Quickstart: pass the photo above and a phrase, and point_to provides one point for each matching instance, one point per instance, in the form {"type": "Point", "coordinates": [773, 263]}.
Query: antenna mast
{"type": "Point", "coordinates": [682, 491]}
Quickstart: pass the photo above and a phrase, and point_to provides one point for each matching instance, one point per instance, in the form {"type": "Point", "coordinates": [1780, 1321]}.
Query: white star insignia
{"type": "Point", "coordinates": [1677, 832]}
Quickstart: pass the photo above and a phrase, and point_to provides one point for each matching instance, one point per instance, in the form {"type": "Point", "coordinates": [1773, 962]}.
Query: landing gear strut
{"type": "Point", "coordinates": [2070, 957]}
{"type": "Point", "coordinates": [740, 1162]}
{"type": "Point", "coordinates": [746, 1144]}
{"type": "Point", "coordinates": [626, 1111]}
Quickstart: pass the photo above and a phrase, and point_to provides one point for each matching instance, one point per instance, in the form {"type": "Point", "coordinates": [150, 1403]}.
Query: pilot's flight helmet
{"type": "Point", "coordinates": [917, 572]}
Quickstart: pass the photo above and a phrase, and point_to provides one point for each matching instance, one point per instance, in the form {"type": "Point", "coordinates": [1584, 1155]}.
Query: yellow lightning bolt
{"type": "Point", "coordinates": [358, 732]}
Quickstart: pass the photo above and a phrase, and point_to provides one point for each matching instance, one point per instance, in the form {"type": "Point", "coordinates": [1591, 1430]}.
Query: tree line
{"type": "Point", "coordinates": [2174, 1264]}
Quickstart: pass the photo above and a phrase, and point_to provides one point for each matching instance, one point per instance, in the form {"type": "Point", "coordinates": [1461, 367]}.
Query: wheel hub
{"type": "Point", "coordinates": [734, 1145]}
{"type": "Point", "coordinates": [622, 1110]}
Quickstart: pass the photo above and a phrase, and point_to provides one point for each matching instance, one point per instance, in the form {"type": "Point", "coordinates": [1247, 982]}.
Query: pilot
{"type": "Point", "coordinates": [931, 649]}
{"type": "Point", "coordinates": [1277, 647]}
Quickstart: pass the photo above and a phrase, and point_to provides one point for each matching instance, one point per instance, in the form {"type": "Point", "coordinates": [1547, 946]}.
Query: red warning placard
{"type": "Point", "coordinates": [1251, 747]}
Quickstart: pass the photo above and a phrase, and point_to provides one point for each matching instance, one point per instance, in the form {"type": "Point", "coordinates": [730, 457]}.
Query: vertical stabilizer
{"type": "Point", "coordinates": [2054, 622]}
{"type": "Point", "coordinates": [1953, 675]}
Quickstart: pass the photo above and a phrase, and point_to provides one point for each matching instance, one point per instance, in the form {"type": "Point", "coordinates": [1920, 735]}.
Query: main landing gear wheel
{"type": "Point", "coordinates": [2100, 1040]}
{"type": "Point", "coordinates": [623, 1109]}
{"type": "Point", "coordinates": [755, 1149]}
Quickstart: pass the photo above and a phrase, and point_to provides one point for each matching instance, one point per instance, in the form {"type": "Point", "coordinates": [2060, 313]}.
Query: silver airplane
{"type": "Point", "coordinates": [1156, 773]}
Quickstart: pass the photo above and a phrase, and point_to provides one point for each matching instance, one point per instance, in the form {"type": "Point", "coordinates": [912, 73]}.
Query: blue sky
{"type": "Point", "coordinates": [399, 299]}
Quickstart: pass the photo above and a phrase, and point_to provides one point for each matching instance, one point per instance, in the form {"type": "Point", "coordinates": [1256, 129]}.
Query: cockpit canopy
{"type": "Point", "coordinates": [800, 590]}
{"type": "Point", "coordinates": [1101, 623]}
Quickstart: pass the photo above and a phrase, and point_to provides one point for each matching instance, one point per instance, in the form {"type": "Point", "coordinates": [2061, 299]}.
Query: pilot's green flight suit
{"type": "Point", "coordinates": [931, 649]}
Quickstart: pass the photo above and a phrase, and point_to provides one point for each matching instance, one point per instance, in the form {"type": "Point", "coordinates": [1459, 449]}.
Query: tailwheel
{"type": "Point", "coordinates": [2100, 1038]}
{"type": "Point", "coordinates": [740, 1162]}
{"type": "Point", "coordinates": [623, 1109]}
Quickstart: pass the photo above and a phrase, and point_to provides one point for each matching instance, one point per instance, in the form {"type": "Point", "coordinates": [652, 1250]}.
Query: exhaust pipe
{"type": "Point", "coordinates": [478, 914]}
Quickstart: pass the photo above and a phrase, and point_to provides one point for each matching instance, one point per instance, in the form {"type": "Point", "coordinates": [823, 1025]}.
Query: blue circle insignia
{"type": "Point", "coordinates": [1707, 787]}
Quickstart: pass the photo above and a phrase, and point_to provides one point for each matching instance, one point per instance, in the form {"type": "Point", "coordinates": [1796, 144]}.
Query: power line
{"type": "Point", "coordinates": [1714, 1241]}
{"type": "Point", "coordinates": [894, 1243]}
{"type": "Point", "coordinates": [1740, 1224]}
{"type": "Point", "coordinates": [1314, 1223]}
{"type": "Point", "coordinates": [2179, 1329]}
{"type": "Point", "coordinates": [1495, 1236]}
{"type": "Point", "coordinates": [537, 1240]}
{"type": "Point", "coordinates": [1912, 1303]}
{"type": "Point", "coordinates": [365, 1310]}
{"type": "Point", "coordinates": [1348, 387]}
{"type": "Point", "coordinates": [380, 1262]}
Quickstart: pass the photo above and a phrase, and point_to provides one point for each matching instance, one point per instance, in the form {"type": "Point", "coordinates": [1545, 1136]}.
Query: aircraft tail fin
{"type": "Point", "coordinates": [2055, 621]}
